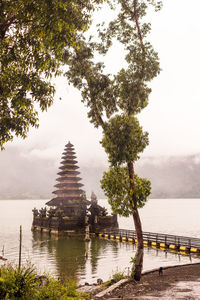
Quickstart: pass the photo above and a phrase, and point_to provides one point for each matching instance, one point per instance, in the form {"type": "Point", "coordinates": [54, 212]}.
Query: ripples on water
{"type": "Point", "coordinates": [65, 257]}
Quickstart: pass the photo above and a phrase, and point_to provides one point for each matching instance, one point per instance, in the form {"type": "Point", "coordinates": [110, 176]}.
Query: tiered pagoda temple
{"type": "Point", "coordinates": [69, 195]}
{"type": "Point", "coordinates": [69, 209]}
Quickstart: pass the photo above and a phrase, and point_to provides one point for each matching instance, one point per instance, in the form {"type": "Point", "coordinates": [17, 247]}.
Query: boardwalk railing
{"type": "Point", "coordinates": [156, 239]}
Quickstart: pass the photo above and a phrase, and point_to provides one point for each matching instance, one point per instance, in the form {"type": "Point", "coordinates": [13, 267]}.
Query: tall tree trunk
{"type": "Point", "coordinates": [139, 253]}
{"type": "Point", "coordinates": [138, 264]}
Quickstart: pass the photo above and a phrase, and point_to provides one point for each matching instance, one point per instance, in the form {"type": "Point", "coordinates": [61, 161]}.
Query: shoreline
{"type": "Point", "coordinates": [179, 279]}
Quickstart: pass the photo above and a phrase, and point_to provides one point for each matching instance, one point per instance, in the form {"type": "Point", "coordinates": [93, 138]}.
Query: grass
{"type": "Point", "coordinates": [117, 276]}
{"type": "Point", "coordinates": [25, 284]}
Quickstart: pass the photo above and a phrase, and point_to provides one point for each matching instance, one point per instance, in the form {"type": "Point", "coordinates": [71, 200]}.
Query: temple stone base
{"type": "Point", "coordinates": [67, 227]}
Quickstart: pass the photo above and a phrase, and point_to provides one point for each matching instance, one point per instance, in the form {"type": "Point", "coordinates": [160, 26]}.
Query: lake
{"type": "Point", "coordinates": [64, 257]}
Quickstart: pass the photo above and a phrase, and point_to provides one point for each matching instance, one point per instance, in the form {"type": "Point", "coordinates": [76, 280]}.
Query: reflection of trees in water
{"type": "Point", "coordinates": [99, 247]}
{"type": "Point", "coordinates": [40, 240]}
{"type": "Point", "coordinates": [69, 253]}
{"type": "Point", "coordinates": [70, 256]}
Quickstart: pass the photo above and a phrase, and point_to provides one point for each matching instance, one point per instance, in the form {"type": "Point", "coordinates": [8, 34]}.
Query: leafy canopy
{"type": "Point", "coordinates": [114, 100]}
{"type": "Point", "coordinates": [123, 139]}
{"type": "Point", "coordinates": [126, 91]}
{"type": "Point", "coordinates": [116, 185]}
{"type": "Point", "coordinates": [35, 38]}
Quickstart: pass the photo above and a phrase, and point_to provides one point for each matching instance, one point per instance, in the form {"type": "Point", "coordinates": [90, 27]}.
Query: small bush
{"type": "Point", "coordinates": [58, 290]}
{"type": "Point", "coordinates": [119, 275]}
{"type": "Point", "coordinates": [25, 284]}
{"type": "Point", "coordinates": [17, 283]}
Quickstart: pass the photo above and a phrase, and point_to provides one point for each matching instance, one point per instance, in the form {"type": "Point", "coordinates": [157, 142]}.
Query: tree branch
{"type": "Point", "coordinates": [135, 16]}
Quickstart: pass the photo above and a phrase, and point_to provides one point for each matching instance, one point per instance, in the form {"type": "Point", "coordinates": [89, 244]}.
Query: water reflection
{"type": "Point", "coordinates": [180, 257]}
{"type": "Point", "coordinates": [74, 257]}
{"type": "Point", "coordinates": [104, 256]}
{"type": "Point", "coordinates": [98, 249]}
{"type": "Point", "coordinates": [68, 253]}
{"type": "Point", "coordinates": [68, 256]}
{"type": "Point", "coordinates": [51, 254]}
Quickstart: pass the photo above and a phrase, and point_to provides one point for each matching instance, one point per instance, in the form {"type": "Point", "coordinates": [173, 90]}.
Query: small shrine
{"type": "Point", "coordinates": [69, 210]}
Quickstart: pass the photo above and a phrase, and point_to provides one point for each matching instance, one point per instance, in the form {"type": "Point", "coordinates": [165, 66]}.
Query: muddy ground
{"type": "Point", "coordinates": [180, 280]}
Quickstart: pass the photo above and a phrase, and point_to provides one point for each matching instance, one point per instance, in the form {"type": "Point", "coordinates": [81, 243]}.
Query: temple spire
{"type": "Point", "coordinates": [69, 195]}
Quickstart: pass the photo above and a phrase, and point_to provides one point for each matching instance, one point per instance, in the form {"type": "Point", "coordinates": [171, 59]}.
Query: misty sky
{"type": "Point", "coordinates": [172, 116]}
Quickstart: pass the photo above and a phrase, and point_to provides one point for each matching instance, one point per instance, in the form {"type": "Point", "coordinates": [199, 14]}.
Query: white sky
{"type": "Point", "coordinates": [172, 116]}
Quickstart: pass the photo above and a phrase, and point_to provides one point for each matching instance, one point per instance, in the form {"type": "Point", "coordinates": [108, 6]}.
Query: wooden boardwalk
{"type": "Point", "coordinates": [176, 242]}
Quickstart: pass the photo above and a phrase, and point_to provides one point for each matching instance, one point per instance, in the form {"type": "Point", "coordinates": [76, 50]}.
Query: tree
{"type": "Point", "coordinates": [116, 184]}
{"type": "Point", "coordinates": [35, 37]}
{"type": "Point", "coordinates": [115, 100]}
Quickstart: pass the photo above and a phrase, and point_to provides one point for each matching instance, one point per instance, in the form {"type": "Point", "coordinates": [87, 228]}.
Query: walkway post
{"type": "Point", "coordinates": [20, 247]}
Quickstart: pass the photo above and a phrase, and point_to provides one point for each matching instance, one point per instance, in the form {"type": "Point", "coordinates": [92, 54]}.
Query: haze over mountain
{"type": "Point", "coordinates": [28, 167]}
{"type": "Point", "coordinates": [25, 176]}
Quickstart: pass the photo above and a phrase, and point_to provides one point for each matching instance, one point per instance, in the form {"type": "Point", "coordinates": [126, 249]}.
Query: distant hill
{"type": "Point", "coordinates": [25, 177]}
{"type": "Point", "coordinates": [172, 177]}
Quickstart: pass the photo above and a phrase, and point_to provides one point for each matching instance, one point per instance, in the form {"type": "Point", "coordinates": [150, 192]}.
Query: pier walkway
{"type": "Point", "coordinates": [158, 240]}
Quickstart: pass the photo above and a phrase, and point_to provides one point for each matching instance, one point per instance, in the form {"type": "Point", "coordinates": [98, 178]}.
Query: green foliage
{"type": "Point", "coordinates": [58, 290]}
{"type": "Point", "coordinates": [98, 89]}
{"type": "Point", "coordinates": [26, 284]}
{"type": "Point", "coordinates": [17, 283]}
{"type": "Point", "coordinates": [132, 261]}
{"type": "Point", "coordinates": [114, 100]}
{"type": "Point", "coordinates": [119, 97]}
{"type": "Point", "coordinates": [118, 275]}
{"type": "Point", "coordinates": [116, 186]}
{"type": "Point", "coordinates": [35, 38]}
{"type": "Point", "coordinates": [127, 91]}
{"type": "Point", "coordinates": [123, 139]}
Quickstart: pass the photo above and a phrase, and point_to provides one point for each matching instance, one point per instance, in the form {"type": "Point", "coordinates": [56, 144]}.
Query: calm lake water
{"type": "Point", "coordinates": [65, 257]}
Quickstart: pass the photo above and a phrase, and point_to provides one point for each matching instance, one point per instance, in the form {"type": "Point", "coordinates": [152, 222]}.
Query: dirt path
{"type": "Point", "coordinates": [181, 282]}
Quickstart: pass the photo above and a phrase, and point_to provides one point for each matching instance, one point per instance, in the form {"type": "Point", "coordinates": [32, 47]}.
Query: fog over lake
{"type": "Point", "coordinates": [25, 175]}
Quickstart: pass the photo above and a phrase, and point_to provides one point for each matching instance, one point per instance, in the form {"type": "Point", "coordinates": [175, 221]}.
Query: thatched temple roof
{"type": "Point", "coordinates": [68, 192]}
